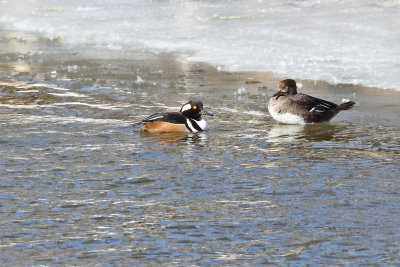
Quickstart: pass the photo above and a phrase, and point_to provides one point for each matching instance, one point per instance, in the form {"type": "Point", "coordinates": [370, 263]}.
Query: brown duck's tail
{"type": "Point", "coordinates": [346, 105]}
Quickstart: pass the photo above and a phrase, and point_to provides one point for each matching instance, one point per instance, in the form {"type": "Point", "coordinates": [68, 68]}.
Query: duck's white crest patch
{"type": "Point", "coordinates": [287, 118]}
{"type": "Point", "coordinates": [186, 107]}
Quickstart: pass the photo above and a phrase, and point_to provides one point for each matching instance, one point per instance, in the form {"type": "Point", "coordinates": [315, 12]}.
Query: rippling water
{"type": "Point", "coordinates": [80, 185]}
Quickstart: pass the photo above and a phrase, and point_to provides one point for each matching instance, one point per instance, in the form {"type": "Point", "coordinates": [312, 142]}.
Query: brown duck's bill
{"type": "Point", "coordinates": [278, 94]}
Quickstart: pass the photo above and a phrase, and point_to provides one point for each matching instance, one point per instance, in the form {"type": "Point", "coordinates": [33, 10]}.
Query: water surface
{"type": "Point", "coordinates": [81, 186]}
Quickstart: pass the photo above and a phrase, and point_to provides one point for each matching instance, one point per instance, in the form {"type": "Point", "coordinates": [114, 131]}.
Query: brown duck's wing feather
{"type": "Point", "coordinates": [313, 104]}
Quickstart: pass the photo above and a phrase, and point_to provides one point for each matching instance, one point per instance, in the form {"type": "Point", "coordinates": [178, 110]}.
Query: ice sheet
{"type": "Point", "coordinates": [333, 40]}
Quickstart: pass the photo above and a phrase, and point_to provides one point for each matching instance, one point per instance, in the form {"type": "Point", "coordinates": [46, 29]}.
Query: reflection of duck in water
{"type": "Point", "coordinates": [187, 120]}
{"type": "Point", "coordinates": [288, 106]}
{"type": "Point", "coordinates": [312, 132]}
{"type": "Point", "coordinates": [285, 133]}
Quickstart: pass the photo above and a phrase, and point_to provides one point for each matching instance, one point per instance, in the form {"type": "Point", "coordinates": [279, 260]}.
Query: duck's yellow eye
{"type": "Point", "coordinates": [194, 107]}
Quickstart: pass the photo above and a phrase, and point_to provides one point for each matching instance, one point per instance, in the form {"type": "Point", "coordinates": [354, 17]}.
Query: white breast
{"type": "Point", "coordinates": [201, 123]}
{"type": "Point", "coordinates": [287, 118]}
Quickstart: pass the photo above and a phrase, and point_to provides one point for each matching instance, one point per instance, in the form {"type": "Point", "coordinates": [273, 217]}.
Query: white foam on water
{"type": "Point", "coordinates": [72, 119]}
{"type": "Point", "coordinates": [98, 106]}
{"type": "Point", "coordinates": [69, 94]}
{"type": "Point", "coordinates": [339, 41]}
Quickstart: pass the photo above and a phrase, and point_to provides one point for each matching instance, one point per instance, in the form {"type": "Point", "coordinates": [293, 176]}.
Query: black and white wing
{"type": "Point", "coordinates": [313, 104]}
{"type": "Point", "coordinates": [172, 117]}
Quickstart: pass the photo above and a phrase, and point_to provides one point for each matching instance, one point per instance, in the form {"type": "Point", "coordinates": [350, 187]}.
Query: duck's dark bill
{"type": "Point", "coordinates": [277, 94]}
{"type": "Point", "coordinates": [209, 113]}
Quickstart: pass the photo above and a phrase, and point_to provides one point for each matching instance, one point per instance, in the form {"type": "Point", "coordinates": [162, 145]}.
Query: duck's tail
{"type": "Point", "coordinates": [346, 105]}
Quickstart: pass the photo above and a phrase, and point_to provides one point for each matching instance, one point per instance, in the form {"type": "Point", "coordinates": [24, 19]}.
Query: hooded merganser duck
{"type": "Point", "coordinates": [188, 119]}
{"type": "Point", "coordinates": [288, 106]}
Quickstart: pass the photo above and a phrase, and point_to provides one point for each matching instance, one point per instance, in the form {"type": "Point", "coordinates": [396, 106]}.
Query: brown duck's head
{"type": "Point", "coordinates": [286, 87]}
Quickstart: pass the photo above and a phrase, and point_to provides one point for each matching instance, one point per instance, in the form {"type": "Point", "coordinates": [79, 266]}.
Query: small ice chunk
{"type": "Point", "coordinates": [241, 91]}
{"type": "Point", "coordinates": [72, 68]}
{"type": "Point", "coordinates": [139, 79]}
{"type": "Point", "coordinates": [344, 100]}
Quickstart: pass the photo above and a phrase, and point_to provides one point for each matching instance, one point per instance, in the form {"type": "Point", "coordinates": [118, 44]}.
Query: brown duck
{"type": "Point", "coordinates": [288, 106]}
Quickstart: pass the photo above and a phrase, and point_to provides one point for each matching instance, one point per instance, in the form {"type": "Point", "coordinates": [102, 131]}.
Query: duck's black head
{"type": "Point", "coordinates": [194, 110]}
{"type": "Point", "coordinates": [286, 87]}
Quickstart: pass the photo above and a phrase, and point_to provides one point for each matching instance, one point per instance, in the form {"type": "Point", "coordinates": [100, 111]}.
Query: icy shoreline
{"type": "Point", "coordinates": [335, 41]}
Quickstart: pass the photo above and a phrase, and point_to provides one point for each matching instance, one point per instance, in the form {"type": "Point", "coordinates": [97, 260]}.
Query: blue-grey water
{"type": "Point", "coordinates": [79, 185]}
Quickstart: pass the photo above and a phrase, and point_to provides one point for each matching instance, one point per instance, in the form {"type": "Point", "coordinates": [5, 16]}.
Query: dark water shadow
{"type": "Point", "coordinates": [321, 131]}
